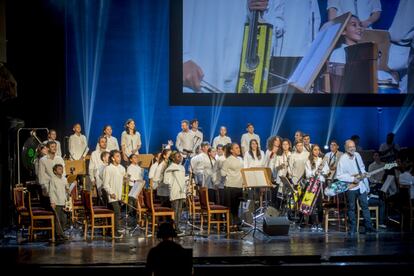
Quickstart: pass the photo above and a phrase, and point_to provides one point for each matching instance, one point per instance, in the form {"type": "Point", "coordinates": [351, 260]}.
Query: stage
{"type": "Point", "coordinates": [388, 249]}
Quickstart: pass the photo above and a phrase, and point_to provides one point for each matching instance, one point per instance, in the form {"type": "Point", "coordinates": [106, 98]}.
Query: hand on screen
{"type": "Point", "coordinates": [192, 75]}
{"type": "Point", "coordinates": [258, 5]}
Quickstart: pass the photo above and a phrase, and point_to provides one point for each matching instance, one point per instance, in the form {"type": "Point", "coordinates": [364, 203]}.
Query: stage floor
{"type": "Point", "coordinates": [298, 247]}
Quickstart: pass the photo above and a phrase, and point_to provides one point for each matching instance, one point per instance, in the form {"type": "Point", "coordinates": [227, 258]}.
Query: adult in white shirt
{"type": "Point", "coordinates": [301, 20]}
{"type": "Point", "coordinates": [315, 167]}
{"type": "Point", "coordinates": [401, 54]}
{"type": "Point", "coordinates": [51, 136]}
{"type": "Point", "coordinates": [185, 142]}
{"type": "Point", "coordinates": [198, 135]}
{"type": "Point", "coordinates": [233, 186]}
{"type": "Point", "coordinates": [130, 140]}
{"type": "Point", "coordinates": [254, 157]}
{"type": "Point", "coordinates": [46, 165]}
{"type": "Point", "coordinates": [221, 139]}
{"type": "Point", "coordinates": [111, 141]}
{"type": "Point", "coordinates": [200, 163]}
{"type": "Point", "coordinates": [351, 164]}
{"type": "Point", "coordinates": [213, 36]}
{"type": "Point", "coordinates": [245, 139]}
{"type": "Point", "coordinates": [332, 158]}
{"type": "Point", "coordinates": [369, 11]}
{"type": "Point", "coordinates": [175, 178]}
{"type": "Point", "coordinates": [297, 163]}
{"type": "Point", "coordinates": [78, 144]}
{"type": "Point", "coordinates": [95, 162]}
{"type": "Point", "coordinates": [112, 183]}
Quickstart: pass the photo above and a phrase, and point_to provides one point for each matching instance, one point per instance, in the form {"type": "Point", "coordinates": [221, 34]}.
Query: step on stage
{"type": "Point", "coordinates": [302, 249]}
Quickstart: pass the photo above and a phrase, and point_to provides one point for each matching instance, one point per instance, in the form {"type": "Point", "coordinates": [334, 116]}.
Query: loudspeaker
{"type": "Point", "coordinates": [276, 226]}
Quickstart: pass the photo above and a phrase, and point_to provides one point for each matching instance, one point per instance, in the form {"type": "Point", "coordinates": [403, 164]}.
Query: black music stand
{"type": "Point", "coordinates": [256, 178]}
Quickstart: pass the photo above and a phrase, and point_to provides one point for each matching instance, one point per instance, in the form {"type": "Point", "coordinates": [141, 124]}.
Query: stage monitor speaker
{"type": "Point", "coordinates": [276, 226]}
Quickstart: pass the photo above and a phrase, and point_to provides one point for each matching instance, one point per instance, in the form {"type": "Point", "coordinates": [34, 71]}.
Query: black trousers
{"type": "Point", "coordinates": [232, 198]}
{"type": "Point", "coordinates": [60, 220]}
{"type": "Point", "coordinates": [116, 206]}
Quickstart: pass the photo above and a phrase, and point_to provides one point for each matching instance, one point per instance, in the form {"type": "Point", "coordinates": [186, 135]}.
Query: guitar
{"type": "Point", "coordinates": [338, 187]}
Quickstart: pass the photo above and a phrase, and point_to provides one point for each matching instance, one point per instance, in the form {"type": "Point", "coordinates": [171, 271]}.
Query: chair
{"type": "Point", "coordinates": [209, 210]}
{"type": "Point", "coordinates": [39, 215]}
{"type": "Point", "coordinates": [407, 208]}
{"type": "Point", "coordinates": [77, 204]}
{"type": "Point", "coordinates": [142, 209]}
{"type": "Point", "coordinates": [370, 208]}
{"type": "Point", "coordinates": [18, 200]}
{"type": "Point", "coordinates": [332, 212]}
{"type": "Point", "coordinates": [97, 213]}
{"type": "Point", "coordinates": [154, 211]}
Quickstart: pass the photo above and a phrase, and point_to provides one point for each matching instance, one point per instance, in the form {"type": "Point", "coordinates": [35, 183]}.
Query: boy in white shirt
{"type": "Point", "coordinates": [78, 145]}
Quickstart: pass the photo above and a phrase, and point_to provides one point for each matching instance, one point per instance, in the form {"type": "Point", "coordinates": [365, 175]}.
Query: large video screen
{"type": "Point", "coordinates": [252, 50]}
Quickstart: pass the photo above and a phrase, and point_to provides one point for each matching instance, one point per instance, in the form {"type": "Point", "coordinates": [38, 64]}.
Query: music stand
{"type": "Point", "coordinates": [256, 178]}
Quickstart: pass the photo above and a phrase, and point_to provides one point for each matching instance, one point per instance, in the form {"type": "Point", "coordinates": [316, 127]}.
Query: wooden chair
{"type": "Point", "coordinates": [77, 204]}
{"type": "Point", "coordinates": [18, 200]}
{"type": "Point", "coordinates": [332, 212]}
{"type": "Point", "coordinates": [370, 208]}
{"type": "Point", "coordinates": [154, 211]}
{"type": "Point", "coordinates": [39, 215]}
{"type": "Point", "coordinates": [213, 210]}
{"type": "Point", "coordinates": [142, 209]}
{"type": "Point", "coordinates": [97, 213]}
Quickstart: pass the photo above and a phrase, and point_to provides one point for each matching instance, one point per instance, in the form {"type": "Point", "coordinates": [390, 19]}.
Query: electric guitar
{"type": "Point", "coordinates": [338, 187]}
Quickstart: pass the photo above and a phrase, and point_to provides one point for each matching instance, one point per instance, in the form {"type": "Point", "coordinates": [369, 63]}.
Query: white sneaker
{"type": "Point", "coordinates": [314, 228]}
{"type": "Point", "coordinates": [382, 226]}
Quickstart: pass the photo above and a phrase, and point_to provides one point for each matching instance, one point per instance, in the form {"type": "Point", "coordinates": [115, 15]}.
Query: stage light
{"type": "Point", "coordinates": [404, 112]}
{"type": "Point", "coordinates": [326, 147]}
{"type": "Point", "coordinates": [89, 29]}
{"type": "Point", "coordinates": [337, 100]}
{"type": "Point", "coordinates": [218, 99]}
{"type": "Point", "coordinates": [281, 107]}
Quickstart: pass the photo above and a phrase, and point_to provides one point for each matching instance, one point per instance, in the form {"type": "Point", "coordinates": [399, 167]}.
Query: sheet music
{"type": "Point", "coordinates": [136, 189]}
{"type": "Point", "coordinates": [255, 178]}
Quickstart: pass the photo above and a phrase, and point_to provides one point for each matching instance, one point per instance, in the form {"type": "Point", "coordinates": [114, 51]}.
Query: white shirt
{"type": "Point", "coordinates": [231, 170]}
{"type": "Point", "coordinates": [245, 141]}
{"type": "Point", "coordinates": [219, 179]}
{"type": "Point", "coordinates": [347, 167]}
{"type": "Point", "coordinates": [158, 180]}
{"type": "Point", "coordinates": [270, 162]}
{"type": "Point", "coordinates": [57, 193]}
{"type": "Point", "coordinates": [175, 178]}
{"type": "Point", "coordinates": [300, 18]}
{"type": "Point", "coordinates": [135, 173]}
{"type": "Point", "coordinates": [361, 8]}
{"type": "Point", "coordinates": [46, 165]}
{"type": "Point", "coordinates": [213, 36]}
{"type": "Point", "coordinates": [111, 143]}
{"type": "Point", "coordinates": [311, 172]}
{"type": "Point", "coordinates": [282, 159]}
{"type": "Point", "coordinates": [99, 174]}
{"type": "Point", "coordinates": [78, 146]}
{"type": "Point", "coordinates": [185, 141]}
{"type": "Point", "coordinates": [198, 135]}
{"type": "Point", "coordinates": [131, 142]}
{"type": "Point", "coordinates": [200, 163]}
{"type": "Point", "coordinates": [250, 162]}
{"type": "Point", "coordinates": [94, 163]}
{"type": "Point", "coordinates": [406, 178]}
{"type": "Point", "coordinates": [152, 170]}
{"type": "Point", "coordinates": [58, 147]}
{"type": "Point", "coordinates": [221, 140]}
{"type": "Point", "coordinates": [113, 180]}
{"type": "Point", "coordinates": [297, 163]}
{"type": "Point", "coordinates": [332, 160]}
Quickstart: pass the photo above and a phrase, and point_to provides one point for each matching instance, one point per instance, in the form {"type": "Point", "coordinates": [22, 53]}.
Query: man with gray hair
{"type": "Point", "coordinates": [351, 169]}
